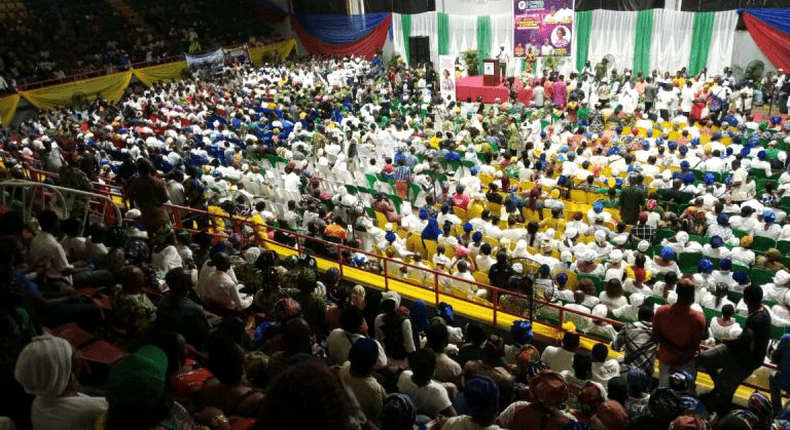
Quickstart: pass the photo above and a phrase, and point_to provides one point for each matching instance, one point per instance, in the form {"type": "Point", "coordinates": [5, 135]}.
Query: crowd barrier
{"type": "Point", "coordinates": [111, 87]}
{"type": "Point", "coordinates": [486, 311]}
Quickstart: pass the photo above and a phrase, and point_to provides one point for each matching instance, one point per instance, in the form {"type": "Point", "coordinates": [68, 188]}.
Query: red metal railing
{"type": "Point", "coordinates": [238, 224]}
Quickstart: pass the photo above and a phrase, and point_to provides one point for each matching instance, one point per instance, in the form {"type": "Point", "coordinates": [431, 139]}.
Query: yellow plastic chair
{"type": "Point", "coordinates": [481, 278]}
{"type": "Point", "coordinates": [494, 208]}
{"type": "Point", "coordinates": [491, 241]}
{"type": "Point", "coordinates": [460, 213]}
{"type": "Point", "coordinates": [430, 248]}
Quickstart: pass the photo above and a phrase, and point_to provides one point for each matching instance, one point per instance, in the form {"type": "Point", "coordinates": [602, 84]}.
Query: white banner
{"type": "Point", "coordinates": [216, 57]}
{"type": "Point", "coordinates": [447, 77]}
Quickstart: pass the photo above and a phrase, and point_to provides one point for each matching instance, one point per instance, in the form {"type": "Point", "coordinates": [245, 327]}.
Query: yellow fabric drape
{"type": "Point", "coordinates": [161, 72]}
{"type": "Point", "coordinates": [283, 49]}
{"type": "Point", "coordinates": [8, 108]}
{"type": "Point", "coordinates": [110, 87]}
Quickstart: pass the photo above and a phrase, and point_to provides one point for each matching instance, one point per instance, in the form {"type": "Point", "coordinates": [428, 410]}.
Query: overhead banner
{"type": "Point", "coordinates": [447, 77]}
{"type": "Point", "coordinates": [215, 57]}
{"type": "Point", "coordinates": [542, 27]}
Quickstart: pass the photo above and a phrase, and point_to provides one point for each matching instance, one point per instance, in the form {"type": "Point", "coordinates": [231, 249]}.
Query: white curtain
{"type": "Point", "coordinates": [671, 40]}
{"type": "Point", "coordinates": [424, 24]}
{"type": "Point", "coordinates": [502, 35]}
{"type": "Point", "coordinates": [463, 33]}
{"type": "Point", "coordinates": [613, 32]}
{"type": "Point", "coordinates": [502, 32]}
{"type": "Point", "coordinates": [722, 41]}
{"type": "Point", "coordinates": [397, 35]}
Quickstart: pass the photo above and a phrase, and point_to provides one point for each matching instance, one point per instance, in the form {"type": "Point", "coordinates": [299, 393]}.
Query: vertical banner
{"type": "Point", "coordinates": [542, 27]}
{"type": "Point", "coordinates": [447, 77]}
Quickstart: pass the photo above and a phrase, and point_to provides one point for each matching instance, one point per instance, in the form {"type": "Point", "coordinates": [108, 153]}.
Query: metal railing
{"type": "Point", "coordinates": [249, 233]}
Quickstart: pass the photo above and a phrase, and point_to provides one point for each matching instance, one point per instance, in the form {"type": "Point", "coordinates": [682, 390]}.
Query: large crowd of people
{"type": "Point", "coordinates": [54, 40]}
{"type": "Point", "coordinates": [604, 202]}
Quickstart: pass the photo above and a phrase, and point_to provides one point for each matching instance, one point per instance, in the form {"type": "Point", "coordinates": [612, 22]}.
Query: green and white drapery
{"type": "Point", "coordinates": [453, 34]}
{"type": "Point", "coordinates": [644, 40]}
{"type": "Point", "coordinates": [660, 39]}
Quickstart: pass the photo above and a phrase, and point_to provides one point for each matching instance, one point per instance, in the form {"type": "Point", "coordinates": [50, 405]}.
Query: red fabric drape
{"type": "Point", "coordinates": [364, 47]}
{"type": "Point", "coordinates": [775, 44]}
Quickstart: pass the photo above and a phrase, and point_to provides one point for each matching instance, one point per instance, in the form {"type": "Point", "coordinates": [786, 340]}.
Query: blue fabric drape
{"type": "Point", "coordinates": [340, 29]}
{"type": "Point", "coordinates": [776, 18]}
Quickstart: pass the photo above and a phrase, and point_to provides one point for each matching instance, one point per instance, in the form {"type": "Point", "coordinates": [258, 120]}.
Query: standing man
{"type": "Point", "coordinates": [678, 329]}
{"type": "Point", "coordinates": [600, 69]}
{"type": "Point", "coordinates": [632, 199]}
{"type": "Point", "coordinates": [651, 91]}
{"type": "Point", "coordinates": [734, 360]}
{"type": "Point", "coordinates": [504, 59]}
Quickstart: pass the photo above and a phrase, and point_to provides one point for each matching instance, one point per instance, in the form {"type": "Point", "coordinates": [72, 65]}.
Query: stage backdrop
{"type": "Point", "coordinates": [637, 40]}
{"type": "Point", "coordinates": [543, 27]}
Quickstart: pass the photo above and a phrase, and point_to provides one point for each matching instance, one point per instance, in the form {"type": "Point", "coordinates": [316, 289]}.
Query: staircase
{"type": "Point", "coordinates": [128, 13]}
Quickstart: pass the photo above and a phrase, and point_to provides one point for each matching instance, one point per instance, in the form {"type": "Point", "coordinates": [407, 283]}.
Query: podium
{"type": "Point", "coordinates": [491, 72]}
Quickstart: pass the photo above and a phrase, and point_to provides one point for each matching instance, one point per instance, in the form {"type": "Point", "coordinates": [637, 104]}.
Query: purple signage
{"type": "Point", "coordinates": [542, 27]}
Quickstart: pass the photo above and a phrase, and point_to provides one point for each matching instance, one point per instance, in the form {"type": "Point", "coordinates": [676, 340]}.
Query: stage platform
{"type": "Point", "coordinates": [473, 87]}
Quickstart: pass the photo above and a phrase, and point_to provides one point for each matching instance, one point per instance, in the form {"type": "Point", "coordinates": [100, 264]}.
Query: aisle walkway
{"type": "Point", "coordinates": [503, 320]}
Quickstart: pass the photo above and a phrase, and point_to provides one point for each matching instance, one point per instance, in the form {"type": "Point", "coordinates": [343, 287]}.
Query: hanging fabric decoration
{"type": "Point", "coordinates": [700, 45]}
{"type": "Point", "coordinates": [583, 23]}
{"type": "Point", "coordinates": [773, 39]}
{"type": "Point", "coordinates": [340, 29]}
{"type": "Point", "coordinates": [406, 24]}
{"type": "Point", "coordinates": [343, 35]}
{"type": "Point", "coordinates": [443, 25]}
{"type": "Point", "coordinates": [644, 31]}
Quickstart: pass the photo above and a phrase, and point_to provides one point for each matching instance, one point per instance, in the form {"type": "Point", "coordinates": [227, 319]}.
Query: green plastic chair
{"type": "Point", "coordinates": [699, 239]}
{"type": "Point", "coordinates": [688, 262]}
{"type": "Point", "coordinates": [664, 233]}
{"type": "Point", "coordinates": [710, 314]}
{"type": "Point", "coordinates": [783, 246]}
{"type": "Point", "coordinates": [596, 280]}
{"type": "Point", "coordinates": [740, 268]}
{"type": "Point", "coordinates": [763, 244]}
{"type": "Point", "coordinates": [761, 277]}
{"type": "Point", "coordinates": [757, 174]}
{"type": "Point", "coordinates": [655, 300]}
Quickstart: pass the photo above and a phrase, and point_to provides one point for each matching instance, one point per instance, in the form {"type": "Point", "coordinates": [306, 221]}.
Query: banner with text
{"type": "Point", "coordinates": [447, 77]}
{"type": "Point", "coordinates": [216, 57]}
{"type": "Point", "coordinates": [542, 28]}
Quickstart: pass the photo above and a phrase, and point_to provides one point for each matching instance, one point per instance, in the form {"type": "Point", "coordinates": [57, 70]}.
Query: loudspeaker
{"type": "Point", "coordinates": [419, 50]}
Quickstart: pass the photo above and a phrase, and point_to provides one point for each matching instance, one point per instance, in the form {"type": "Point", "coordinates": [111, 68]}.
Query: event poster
{"type": "Point", "coordinates": [447, 77]}
{"type": "Point", "coordinates": [542, 28]}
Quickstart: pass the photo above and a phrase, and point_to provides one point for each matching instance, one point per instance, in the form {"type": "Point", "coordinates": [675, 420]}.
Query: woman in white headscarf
{"type": "Point", "coordinates": [47, 368]}
{"type": "Point", "coordinates": [601, 247]}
